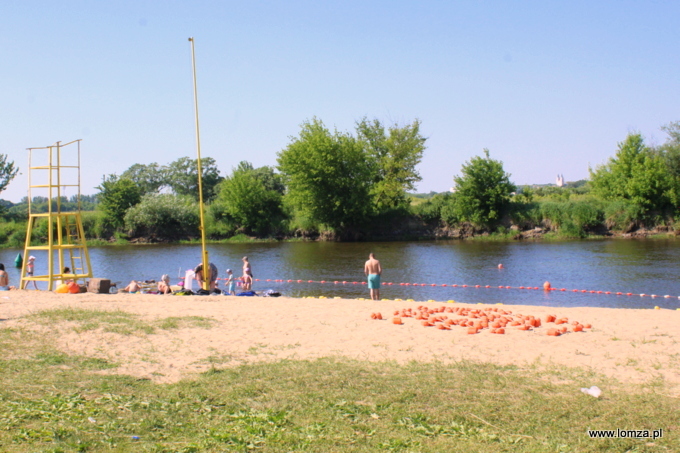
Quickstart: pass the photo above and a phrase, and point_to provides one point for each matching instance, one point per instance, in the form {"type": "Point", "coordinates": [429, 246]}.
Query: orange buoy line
{"type": "Point", "coordinates": [546, 287]}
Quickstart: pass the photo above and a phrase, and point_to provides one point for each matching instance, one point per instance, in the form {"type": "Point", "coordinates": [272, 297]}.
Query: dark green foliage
{"type": "Point", "coordinates": [149, 178]}
{"type": "Point", "coordinates": [95, 225]}
{"type": "Point", "coordinates": [163, 216]}
{"type": "Point", "coordinates": [182, 177]}
{"type": "Point", "coordinates": [328, 178]}
{"type": "Point", "coordinates": [482, 191]}
{"type": "Point", "coordinates": [670, 150]}
{"type": "Point", "coordinates": [636, 174]}
{"type": "Point", "coordinates": [437, 209]}
{"type": "Point", "coordinates": [251, 200]}
{"type": "Point", "coordinates": [116, 196]}
{"type": "Point", "coordinates": [394, 155]}
{"type": "Point", "coordinates": [525, 215]}
{"type": "Point", "coordinates": [622, 215]}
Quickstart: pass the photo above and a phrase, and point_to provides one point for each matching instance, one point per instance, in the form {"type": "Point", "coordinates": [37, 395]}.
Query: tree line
{"type": "Point", "coordinates": [350, 186]}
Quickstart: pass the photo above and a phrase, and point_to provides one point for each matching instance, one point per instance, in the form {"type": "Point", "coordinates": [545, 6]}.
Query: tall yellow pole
{"type": "Point", "coordinates": [204, 251]}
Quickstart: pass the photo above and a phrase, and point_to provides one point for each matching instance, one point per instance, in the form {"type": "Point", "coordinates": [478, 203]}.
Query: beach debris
{"type": "Point", "coordinates": [592, 391]}
{"type": "Point", "coordinates": [496, 319]}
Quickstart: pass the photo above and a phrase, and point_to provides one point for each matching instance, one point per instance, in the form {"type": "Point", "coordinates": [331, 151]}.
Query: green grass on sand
{"type": "Point", "coordinates": [54, 402]}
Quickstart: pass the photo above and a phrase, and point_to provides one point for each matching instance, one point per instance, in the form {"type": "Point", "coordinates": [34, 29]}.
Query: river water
{"type": "Point", "coordinates": [628, 266]}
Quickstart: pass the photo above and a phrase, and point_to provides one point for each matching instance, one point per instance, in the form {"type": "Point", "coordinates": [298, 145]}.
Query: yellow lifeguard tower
{"type": "Point", "coordinates": [65, 233]}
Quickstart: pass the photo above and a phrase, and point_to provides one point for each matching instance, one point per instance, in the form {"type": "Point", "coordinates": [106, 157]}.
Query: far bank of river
{"type": "Point", "coordinates": [648, 266]}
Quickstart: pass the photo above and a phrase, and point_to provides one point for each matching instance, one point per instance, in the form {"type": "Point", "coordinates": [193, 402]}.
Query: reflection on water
{"type": "Point", "coordinates": [636, 266]}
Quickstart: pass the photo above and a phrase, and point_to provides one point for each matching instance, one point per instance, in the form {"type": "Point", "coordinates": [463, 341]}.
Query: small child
{"type": "Point", "coordinates": [231, 283]}
{"type": "Point", "coordinates": [30, 268]}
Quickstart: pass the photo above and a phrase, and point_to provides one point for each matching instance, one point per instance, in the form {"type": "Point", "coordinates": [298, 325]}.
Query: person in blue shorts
{"type": "Point", "coordinates": [373, 272]}
{"type": "Point", "coordinates": [231, 283]}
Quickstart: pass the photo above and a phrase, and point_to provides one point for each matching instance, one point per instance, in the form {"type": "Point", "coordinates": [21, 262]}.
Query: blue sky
{"type": "Point", "coordinates": [547, 86]}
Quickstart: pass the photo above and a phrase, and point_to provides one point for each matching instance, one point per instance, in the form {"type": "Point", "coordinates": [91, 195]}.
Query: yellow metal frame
{"type": "Point", "coordinates": [68, 225]}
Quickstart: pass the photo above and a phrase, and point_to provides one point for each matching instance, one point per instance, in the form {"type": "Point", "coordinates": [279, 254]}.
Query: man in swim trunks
{"type": "Point", "coordinates": [373, 271]}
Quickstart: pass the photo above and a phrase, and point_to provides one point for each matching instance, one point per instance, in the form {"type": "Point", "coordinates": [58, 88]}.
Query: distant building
{"type": "Point", "coordinates": [559, 181]}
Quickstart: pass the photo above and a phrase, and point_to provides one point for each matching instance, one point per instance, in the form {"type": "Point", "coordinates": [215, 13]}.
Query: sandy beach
{"type": "Point", "coordinates": [634, 346]}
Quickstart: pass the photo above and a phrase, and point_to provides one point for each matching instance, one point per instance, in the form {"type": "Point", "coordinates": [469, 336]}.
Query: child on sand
{"type": "Point", "coordinates": [231, 283]}
{"type": "Point", "coordinates": [30, 269]}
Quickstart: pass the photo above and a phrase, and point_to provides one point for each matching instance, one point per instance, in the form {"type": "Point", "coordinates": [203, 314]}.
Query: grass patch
{"type": "Point", "coordinates": [173, 322]}
{"type": "Point", "coordinates": [116, 321]}
{"type": "Point", "coordinates": [53, 402]}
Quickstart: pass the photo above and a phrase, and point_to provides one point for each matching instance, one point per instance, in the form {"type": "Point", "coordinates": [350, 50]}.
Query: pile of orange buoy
{"type": "Point", "coordinates": [475, 320]}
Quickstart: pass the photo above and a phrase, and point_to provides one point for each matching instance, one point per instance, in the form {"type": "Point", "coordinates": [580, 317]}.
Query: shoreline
{"type": "Point", "coordinates": [515, 236]}
{"type": "Point", "coordinates": [634, 346]}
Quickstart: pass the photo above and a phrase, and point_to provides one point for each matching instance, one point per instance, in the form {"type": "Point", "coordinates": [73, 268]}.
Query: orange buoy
{"type": "Point", "coordinates": [73, 287]}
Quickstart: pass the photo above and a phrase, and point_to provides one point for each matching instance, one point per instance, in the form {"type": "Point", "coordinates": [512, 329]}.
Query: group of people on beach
{"type": "Point", "coordinates": [372, 270]}
{"type": "Point", "coordinates": [164, 287]}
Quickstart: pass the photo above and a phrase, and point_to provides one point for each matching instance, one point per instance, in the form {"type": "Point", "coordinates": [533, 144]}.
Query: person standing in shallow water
{"type": "Point", "coordinates": [373, 271]}
{"type": "Point", "coordinates": [247, 274]}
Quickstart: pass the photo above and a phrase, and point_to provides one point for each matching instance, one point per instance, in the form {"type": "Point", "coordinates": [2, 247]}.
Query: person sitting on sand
{"type": "Point", "coordinates": [164, 285]}
{"type": "Point", "coordinates": [213, 276]}
{"type": "Point", "coordinates": [4, 279]}
{"type": "Point", "coordinates": [65, 281]}
{"type": "Point", "coordinates": [132, 287]}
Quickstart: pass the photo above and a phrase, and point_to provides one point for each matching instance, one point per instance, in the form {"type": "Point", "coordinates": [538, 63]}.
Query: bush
{"type": "Point", "coordinates": [95, 225]}
{"type": "Point", "coordinates": [525, 215]}
{"type": "Point", "coordinates": [586, 216]}
{"type": "Point", "coordinates": [163, 216]}
{"type": "Point", "coordinates": [572, 219]}
{"type": "Point", "coordinates": [436, 209]}
{"type": "Point", "coordinates": [12, 234]}
{"type": "Point", "coordinates": [622, 215]}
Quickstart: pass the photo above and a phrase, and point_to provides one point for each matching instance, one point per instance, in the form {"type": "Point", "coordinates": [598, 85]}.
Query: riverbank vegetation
{"type": "Point", "coordinates": [334, 185]}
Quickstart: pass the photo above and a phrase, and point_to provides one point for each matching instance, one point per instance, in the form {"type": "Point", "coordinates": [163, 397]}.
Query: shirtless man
{"type": "Point", "coordinates": [373, 271]}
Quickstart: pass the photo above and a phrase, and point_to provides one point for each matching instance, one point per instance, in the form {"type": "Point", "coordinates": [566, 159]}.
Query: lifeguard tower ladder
{"type": "Point", "coordinates": [65, 233]}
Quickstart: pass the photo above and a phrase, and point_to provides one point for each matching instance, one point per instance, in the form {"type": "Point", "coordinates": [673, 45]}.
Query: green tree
{"type": "Point", "coordinates": [670, 153]}
{"type": "Point", "coordinates": [328, 177]}
{"type": "Point", "coordinates": [163, 217]}
{"type": "Point", "coordinates": [251, 199]}
{"type": "Point", "coordinates": [182, 177]}
{"type": "Point", "coordinates": [637, 174]}
{"type": "Point", "coordinates": [482, 192]}
{"type": "Point", "coordinates": [7, 171]}
{"type": "Point", "coordinates": [394, 153]}
{"type": "Point", "coordinates": [116, 196]}
{"type": "Point", "coordinates": [150, 178]}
